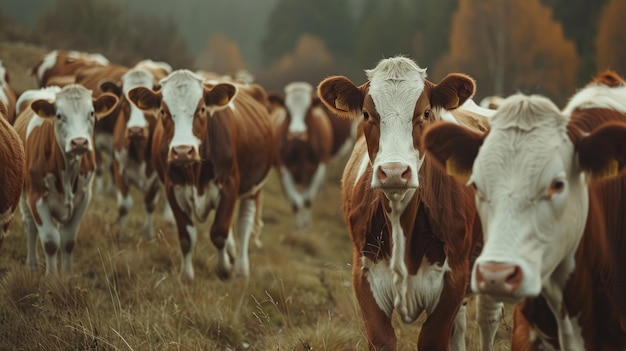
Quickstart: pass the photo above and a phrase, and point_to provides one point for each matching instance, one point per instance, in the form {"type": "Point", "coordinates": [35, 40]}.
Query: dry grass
{"type": "Point", "coordinates": [125, 294]}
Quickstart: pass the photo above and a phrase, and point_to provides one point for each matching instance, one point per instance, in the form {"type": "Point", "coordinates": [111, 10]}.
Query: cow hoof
{"type": "Point", "coordinates": [222, 273]}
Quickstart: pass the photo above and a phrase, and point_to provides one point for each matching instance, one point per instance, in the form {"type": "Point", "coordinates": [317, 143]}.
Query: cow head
{"type": "Point", "coordinates": [180, 105]}
{"type": "Point", "coordinates": [396, 104]}
{"type": "Point", "coordinates": [75, 113]}
{"type": "Point", "coordinates": [137, 121]}
{"type": "Point", "coordinates": [298, 99]}
{"type": "Point", "coordinates": [531, 194]}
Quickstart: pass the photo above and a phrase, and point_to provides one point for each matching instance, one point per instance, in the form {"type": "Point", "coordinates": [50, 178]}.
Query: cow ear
{"type": "Point", "coordinates": [342, 97]}
{"type": "Point", "coordinates": [104, 103]}
{"type": "Point", "coordinates": [43, 108]}
{"type": "Point", "coordinates": [144, 98]}
{"type": "Point", "coordinates": [219, 96]}
{"type": "Point", "coordinates": [453, 147]}
{"type": "Point", "coordinates": [452, 91]}
{"type": "Point", "coordinates": [109, 86]}
{"type": "Point", "coordinates": [603, 152]}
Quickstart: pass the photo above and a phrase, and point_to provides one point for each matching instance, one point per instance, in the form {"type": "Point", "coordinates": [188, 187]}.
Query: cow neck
{"type": "Point", "coordinates": [68, 168]}
{"type": "Point", "coordinates": [587, 293]}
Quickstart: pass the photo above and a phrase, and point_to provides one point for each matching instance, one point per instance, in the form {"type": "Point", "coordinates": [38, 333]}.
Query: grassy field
{"type": "Point", "coordinates": [124, 292]}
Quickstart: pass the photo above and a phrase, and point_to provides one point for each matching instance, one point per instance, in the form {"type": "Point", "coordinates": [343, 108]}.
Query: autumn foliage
{"type": "Point", "coordinates": [511, 46]}
{"type": "Point", "coordinates": [610, 48]}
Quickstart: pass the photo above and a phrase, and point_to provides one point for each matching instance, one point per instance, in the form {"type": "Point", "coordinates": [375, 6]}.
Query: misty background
{"type": "Point", "coordinates": [551, 47]}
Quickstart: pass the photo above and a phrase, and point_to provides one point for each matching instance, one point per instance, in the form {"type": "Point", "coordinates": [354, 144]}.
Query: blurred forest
{"type": "Point", "coordinates": [551, 47]}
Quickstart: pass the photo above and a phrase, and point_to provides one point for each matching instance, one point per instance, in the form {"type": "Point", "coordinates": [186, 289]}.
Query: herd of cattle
{"type": "Point", "coordinates": [442, 198]}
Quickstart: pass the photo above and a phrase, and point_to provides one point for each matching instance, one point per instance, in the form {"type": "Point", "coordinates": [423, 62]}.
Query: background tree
{"type": "Point", "coordinates": [290, 19]}
{"type": "Point", "coordinates": [580, 24]}
{"type": "Point", "coordinates": [610, 48]}
{"type": "Point", "coordinates": [511, 46]}
{"type": "Point", "coordinates": [106, 27]}
{"type": "Point", "coordinates": [310, 61]}
{"type": "Point", "coordinates": [220, 55]}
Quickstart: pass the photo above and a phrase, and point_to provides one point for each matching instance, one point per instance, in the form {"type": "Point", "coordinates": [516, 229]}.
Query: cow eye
{"type": "Point", "coordinates": [366, 116]}
{"type": "Point", "coordinates": [59, 116]}
{"type": "Point", "coordinates": [203, 110]}
{"type": "Point", "coordinates": [427, 114]}
{"type": "Point", "coordinates": [556, 187]}
{"type": "Point", "coordinates": [92, 114]}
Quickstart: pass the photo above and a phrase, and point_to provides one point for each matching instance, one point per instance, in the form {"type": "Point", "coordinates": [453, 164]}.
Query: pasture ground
{"type": "Point", "coordinates": [125, 294]}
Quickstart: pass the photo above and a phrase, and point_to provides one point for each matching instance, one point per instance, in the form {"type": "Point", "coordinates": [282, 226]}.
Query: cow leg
{"type": "Point", "coordinates": [311, 193]}
{"type": "Point", "coordinates": [49, 236]}
{"type": "Point", "coordinates": [186, 235]}
{"type": "Point", "coordinates": [149, 201]}
{"type": "Point", "coordinates": [245, 226]}
{"type": "Point", "coordinates": [28, 222]}
{"type": "Point", "coordinates": [99, 171]}
{"type": "Point", "coordinates": [488, 316]}
{"type": "Point", "coordinates": [457, 340]}
{"type": "Point", "coordinates": [124, 200]}
{"type": "Point", "coordinates": [437, 329]}
{"type": "Point", "coordinates": [221, 228]}
{"type": "Point", "coordinates": [291, 192]}
{"type": "Point", "coordinates": [69, 231]}
{"type": "Point", "coordinates": [380, 333]}
{"type": "Point", "coordinates": [258, 220]}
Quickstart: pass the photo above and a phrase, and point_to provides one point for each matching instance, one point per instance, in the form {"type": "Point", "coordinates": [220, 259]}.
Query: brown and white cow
{"type": "Point", "coordinates": [213, 145]}
{"type": "Point", "coordinates": [57, 133]}
{"type": "Point", "coordinates": [305, 145]}
{"type": "Point", "coordinates": [132, 146]}
{"type": "Point", "coordinates": [12, 172]}
{"type": "Point", "coordinates": [93, 78]}
{"type": "Point", "coordinates": [414, 229]}
{"type": "Point", "coordinates": [59, 67]}
{"type": "Point", "coordinates": [548, 227]}
{"type": "Point", "coordinates": [8, 96]}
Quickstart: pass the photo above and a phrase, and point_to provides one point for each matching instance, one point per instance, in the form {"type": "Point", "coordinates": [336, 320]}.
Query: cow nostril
{"type": "Point", "coordinates": [79, 143]}
{"type": "Point", "coordinates": [406, 175]}
{"type": "Point", "coordinates": [380, 174]}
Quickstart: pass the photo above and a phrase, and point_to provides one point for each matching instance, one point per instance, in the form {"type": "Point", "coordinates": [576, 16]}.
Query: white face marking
{"type": "Point", "coordinates": [182, 91]}
{"type": "Point", "coordinates": [298, 100]}
{"type": "Point", "coordinates": [131, 79]}
{"type": "Point", "coordinates": [395, 86]}
{"type": "Point", "coordinates": [75, 116]}
{"type": "Point", "coordinates": [95, 58]}
{"type": "Point", "coordinates": [526, 151]}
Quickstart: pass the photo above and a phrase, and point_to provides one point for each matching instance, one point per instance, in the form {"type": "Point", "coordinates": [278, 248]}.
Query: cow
{"type": "Point", "coordinates": [491, 102]}
{"type": "Point", "coordinates": [93, 78]}
{"type": "Point", "coordinates": [550, 191]}
{"type": "Point", "coordinates": [8, 96]}
{"type": "Point", "coordinates": [306, 141]}
{"type": "Point", "coordinates": [132, 141]}
{"type": "Point", "coordinates": [414, 230]}
{"type": "Point", "coordinates": [58, 67]}
{"type": "Point", "coordinates": [57, 131]}
{"type": "Point", "coordinates": [12, 172]}
{"type": "Point", "coordinates": [212, 146]}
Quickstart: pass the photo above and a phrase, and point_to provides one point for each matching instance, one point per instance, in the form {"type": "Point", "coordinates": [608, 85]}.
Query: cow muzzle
{"type": "Point", "coordinates": [183, 154]}
{"type": "Point", "coordinates": [79, 146]}
{"type": "Point", "coordinates": [135, 133]}
{"type": "Point", "coordinates": [498, 279]}
{"type": "Point", "coordinates": [394, 175]}
{"type": "Point", "coordinates": [301, 136]}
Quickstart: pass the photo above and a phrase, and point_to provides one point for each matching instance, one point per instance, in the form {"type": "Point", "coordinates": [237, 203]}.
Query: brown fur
{"type": "Point", "coordinates": [440, 222]}
{"type": "Point", "coordinates": [44, 156]}
{"type": "Point", "coordinates": [597, 286]}
{"type": "Point", "coordinates": [9, 114]}
{"type": "Point", "coordinates": [12, 171]}
{"type": "Point", "coordinates": [64, 67]}
{"type": "Point", "coordinates": [237, 152]}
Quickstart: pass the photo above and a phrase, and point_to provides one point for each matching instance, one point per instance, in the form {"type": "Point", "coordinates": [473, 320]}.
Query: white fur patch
{"type": "Point", "coordinates": [598, 96]}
